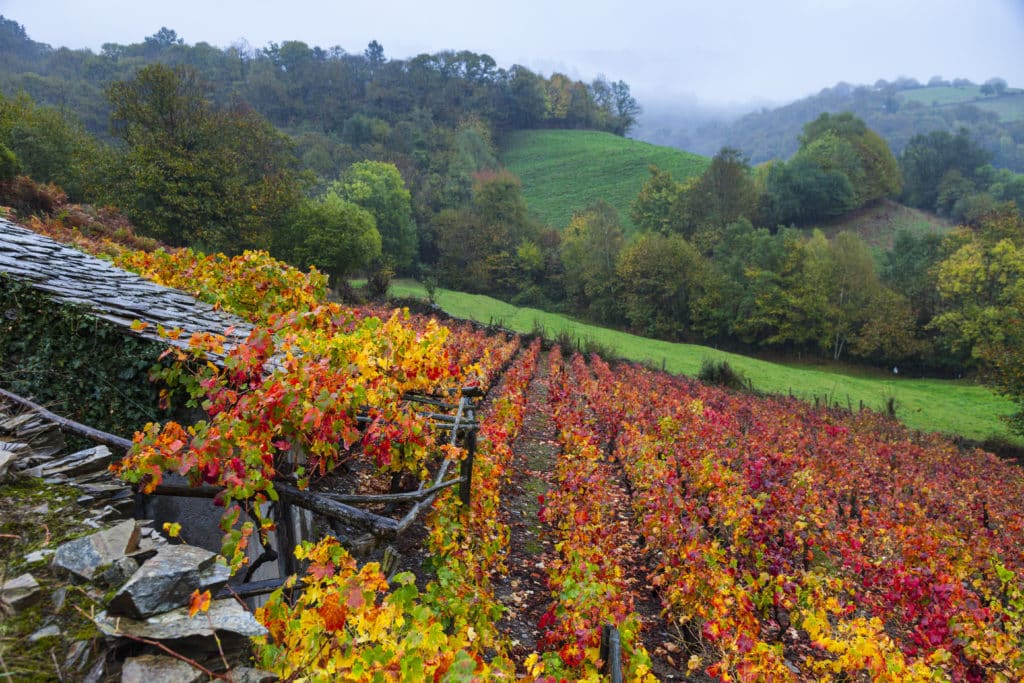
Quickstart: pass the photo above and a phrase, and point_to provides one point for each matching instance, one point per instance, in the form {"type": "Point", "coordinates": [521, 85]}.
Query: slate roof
{"type": "Point", "coordinates": [106, 291]}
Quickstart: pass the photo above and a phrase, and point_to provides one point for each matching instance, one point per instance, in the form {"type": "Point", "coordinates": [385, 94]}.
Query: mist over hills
{"type": "Point", "coordinates": [992, 113]}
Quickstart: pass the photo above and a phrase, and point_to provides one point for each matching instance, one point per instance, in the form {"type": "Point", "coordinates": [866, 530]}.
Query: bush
{"type": "Point", "coordinates": [379, 282]}
{"type": "Point", "coordinates": [8, 163]}
{"type": "Point", "coordinates": [28, 197]}
{"type": "Point", "coordinates": [720, 373]}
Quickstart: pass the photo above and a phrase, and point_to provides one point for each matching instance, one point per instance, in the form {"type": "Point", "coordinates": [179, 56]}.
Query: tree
{"type": "Point", "coordinates": [927, 159]}
{"type": "Point", "coordinates": [907, 268]}
{"type": "Point", "coordinates": [658, 273]}
{"type": "Point", "coordinates": [723, 194]}
{"type": "Point", "coordinates": [338, 237]}
{"type": "Point", "coordinates": [374, 54]}
{"type": "Point", "coordinates": [8, 164]}
{"type": "Point", "coordinates": [801, 192]}
{"type": "Point", "coordinates": [981, 284]}
{"type": "Point", "coordinates": [472, 151]}
{"type": "Point", "coordinates": [845, 144]}
{"type": "Point", "coordinates": [657, 208]}
{"type": "Point", "coordinates": [51, 146]}
{"type": "Point", "coordinates": [479, 246]}
{"type": "Point", "coordinates": [378, 187]}
{"type": "Point", "coordinates": [191, 173]}
{"type": "Point", "coordinates": [590, 251]}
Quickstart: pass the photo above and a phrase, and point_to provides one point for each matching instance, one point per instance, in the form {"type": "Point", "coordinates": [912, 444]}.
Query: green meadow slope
{"type": "Point", "coordinates": [1008, 106]}
{"type": "Point", "coordinates": [564, 171]}
{"type": "Point", "coordinates": [953, 407]}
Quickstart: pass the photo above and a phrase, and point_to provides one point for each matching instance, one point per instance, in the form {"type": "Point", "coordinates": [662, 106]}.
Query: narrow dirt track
{"type": "Point", "coordinates": [524, 590]}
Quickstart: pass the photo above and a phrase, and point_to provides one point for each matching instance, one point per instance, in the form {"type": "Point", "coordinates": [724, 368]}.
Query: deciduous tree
{"type": "Point", "coordinates": [590, 251]}
{"type": "Point", "coordinates": [191, 173]}
{"type": "Point", "coordinates": [378, 187]}
{"type": "Point", "coordinates": [981, 283]}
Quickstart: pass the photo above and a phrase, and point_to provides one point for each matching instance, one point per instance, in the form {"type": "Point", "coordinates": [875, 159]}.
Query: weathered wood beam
{"type": "Point", "coordinates": [67, 425]}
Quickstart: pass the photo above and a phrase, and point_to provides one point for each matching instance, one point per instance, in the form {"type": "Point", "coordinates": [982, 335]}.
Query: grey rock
{"type": "Point", "coordinates": [148, 547]}
{"type": "Point", "coordinates": [224, 616]}
{"type": "Point", "coordinates": [118, 573]}
{"type": "Point", "coordinates": [51, 631]}
{"type": "Point", "coordinates": [58, 597]}
{"type": "Point", "coordinates": [83, 556]}
{"type": "Point", "coordinates": [158, 669]}
{"type": "Point", "coordinates": [247, 674]}
{"type": "Point", "coordinates": [21, 591]}
{"type": "Point", "coordinates": [165, 581]}
{"type": "Point", "coordinates": [6, 460]}
{"type": "Point", "coordinates": [39, 555]}
{"type": "Point", "coordinates": [78, 655]}
{"type": "Point", "coordinates": [89, 460]}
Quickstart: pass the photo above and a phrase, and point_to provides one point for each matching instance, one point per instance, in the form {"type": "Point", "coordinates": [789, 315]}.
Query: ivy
{"type": "Point", "coordinates": [79, 366]}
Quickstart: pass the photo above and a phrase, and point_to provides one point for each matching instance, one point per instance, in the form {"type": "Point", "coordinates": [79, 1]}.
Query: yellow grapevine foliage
{"type": "Point", "coordinates": [348, 624]}
{"type": "Point", "coordinates": [289, 398]}
{"type": "Point", "coordinates": [253, 285]}
{"type": "Point", "coordinates": [470, 547]}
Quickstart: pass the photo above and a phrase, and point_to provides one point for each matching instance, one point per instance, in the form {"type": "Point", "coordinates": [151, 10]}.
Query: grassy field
{"type": "Point", "coordinates": [958, 407]}
{"type": "Point", "coordinates": [1009, 107]}
{"type": "Point", "coordinates": [567, 170]}
{"type": "Point", "coordinates": [941, 95]}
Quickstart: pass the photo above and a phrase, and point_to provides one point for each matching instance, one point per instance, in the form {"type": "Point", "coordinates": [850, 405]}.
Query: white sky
{"type": "Point", "coordinates": [724, 51]}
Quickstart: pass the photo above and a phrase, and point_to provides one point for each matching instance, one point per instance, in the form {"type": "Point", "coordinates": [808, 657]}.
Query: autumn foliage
{"type": "Point", "coordinates": [783, 542]}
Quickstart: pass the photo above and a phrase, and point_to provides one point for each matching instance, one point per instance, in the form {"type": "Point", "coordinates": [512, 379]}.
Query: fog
{"type": "Point", "coordinates": [719, 53]}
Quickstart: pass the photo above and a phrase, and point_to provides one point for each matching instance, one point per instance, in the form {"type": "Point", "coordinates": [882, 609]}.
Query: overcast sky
{"type": "Point", "coordinates": [721, 52]}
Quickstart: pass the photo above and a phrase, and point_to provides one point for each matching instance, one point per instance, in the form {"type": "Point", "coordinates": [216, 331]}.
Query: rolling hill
{"type": "Point", "coordinates": [896, 111]}
{"type": "Point", "coordinates": [567, 170]}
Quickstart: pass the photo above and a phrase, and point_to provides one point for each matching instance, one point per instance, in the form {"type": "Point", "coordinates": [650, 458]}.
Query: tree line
{"type": "Point", "coordinates": [238, 148]}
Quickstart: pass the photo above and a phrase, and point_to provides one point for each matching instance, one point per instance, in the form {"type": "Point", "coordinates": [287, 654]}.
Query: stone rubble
{"type": "Point", "coordinates": [166, 581]}
{"type": "Point", "coordinates": [149, 577]}
{"type": "Point", "coordinates": [152, 580]}
{"type": "Point", "coordinates": [158, 669]}
{"type": "Point", "coordinates": [20, 592]}
{"type": "Point", "coordinates": [83, 557]}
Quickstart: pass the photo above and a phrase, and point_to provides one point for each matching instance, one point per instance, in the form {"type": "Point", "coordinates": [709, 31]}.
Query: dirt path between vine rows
{"type": "Point", "coordinates": [524, 591]}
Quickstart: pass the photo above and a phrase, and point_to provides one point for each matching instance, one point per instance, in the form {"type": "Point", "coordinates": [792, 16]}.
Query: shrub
{"type": "Point", "coordinates": [720, 373]}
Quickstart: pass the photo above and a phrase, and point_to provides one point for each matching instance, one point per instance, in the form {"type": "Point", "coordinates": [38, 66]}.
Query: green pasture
{"type": "Point", "coordinates": [940, 95]}
{"type": "Point", "coordinates": [1007, 107]}
{"type": "Point", "coordinates": [564, 171]}
{"type": "Point", "coordinates": [949, 406]}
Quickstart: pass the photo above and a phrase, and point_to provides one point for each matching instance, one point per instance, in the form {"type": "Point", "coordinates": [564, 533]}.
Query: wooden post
{"type": "Point", "coordinates": [287, 541]}
{"type": "Point", "coordinates": [611, 653]}
{"type": "Point", "coordinates": [466, 469]}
